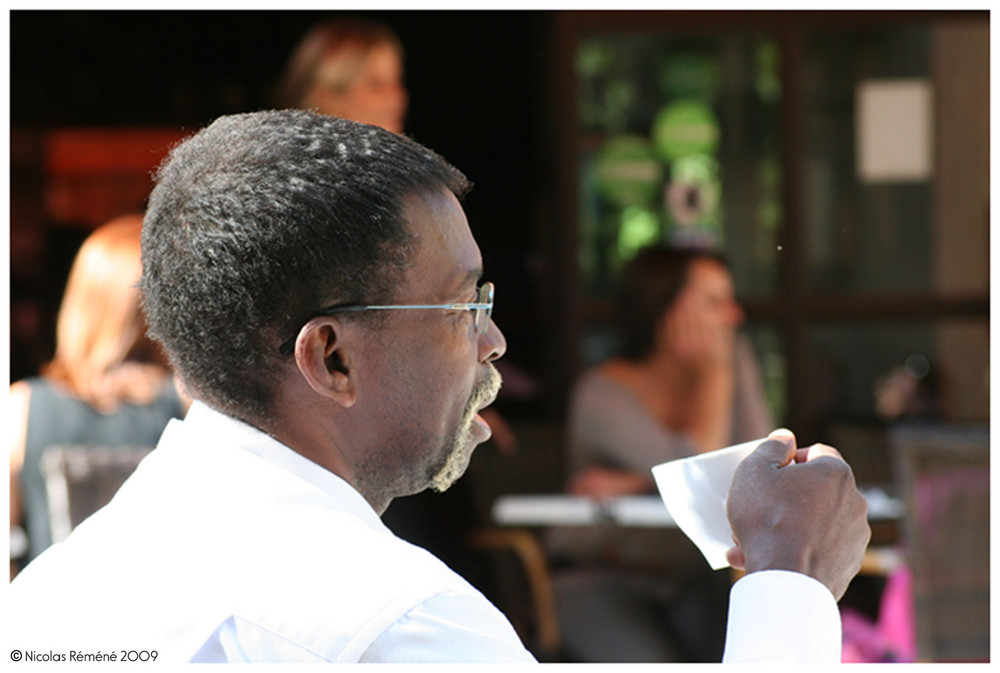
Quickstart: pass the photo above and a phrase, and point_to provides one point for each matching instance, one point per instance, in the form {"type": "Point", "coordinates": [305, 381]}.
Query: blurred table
{"type": "Point", "coordinates": [648, 511]}
{"type": "Point", "coordinates": [637, 510]}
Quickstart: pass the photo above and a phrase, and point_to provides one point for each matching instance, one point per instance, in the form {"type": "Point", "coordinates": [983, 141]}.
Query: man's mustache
{"type": "Point", "coordinates": [486, 389]}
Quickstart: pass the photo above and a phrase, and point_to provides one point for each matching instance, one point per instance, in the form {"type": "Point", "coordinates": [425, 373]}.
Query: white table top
{"type": "Point", "coordinates": [643, 511]}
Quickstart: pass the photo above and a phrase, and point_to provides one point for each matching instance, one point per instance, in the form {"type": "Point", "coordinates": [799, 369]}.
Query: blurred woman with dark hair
{"type": "Point", "coordinates": [685, 383]}
{"type": "Point", "coordinates": [107, 384]}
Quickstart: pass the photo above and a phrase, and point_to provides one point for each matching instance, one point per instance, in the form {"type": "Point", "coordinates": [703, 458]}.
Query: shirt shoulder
{"type": "Point", "coordinates": [217, 551]}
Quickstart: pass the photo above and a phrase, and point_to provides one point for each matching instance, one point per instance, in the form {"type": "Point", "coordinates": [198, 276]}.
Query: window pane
{"type": "Point", "coordinates": [891, 372]}
{"type": "Point", "coordinates": [681, 146]}
{"type": "Point", "coordinates": [767, 346]}
{"type": "Point", "coordinates": [919, 223]}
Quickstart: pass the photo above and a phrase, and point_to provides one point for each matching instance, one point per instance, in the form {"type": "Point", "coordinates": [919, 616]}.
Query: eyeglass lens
{"type": "Point", "coordinates": [483, 315]}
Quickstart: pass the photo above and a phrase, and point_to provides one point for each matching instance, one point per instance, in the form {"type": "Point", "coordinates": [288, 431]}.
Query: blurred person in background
{"type": "Point", "coordinates": [350, 68]}
{"type": "Point", "coordinates": [107, 384]}
{"type": "Point", "coordinates": [685, 383]}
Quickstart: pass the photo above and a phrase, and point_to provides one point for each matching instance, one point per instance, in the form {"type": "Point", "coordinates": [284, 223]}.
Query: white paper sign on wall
{"type": "Point", "coordinates": [894, 130]}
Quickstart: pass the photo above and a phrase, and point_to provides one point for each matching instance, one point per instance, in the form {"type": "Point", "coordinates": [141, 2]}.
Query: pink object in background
{"type": "Point", "coordinates": [893, 637]}
{"type": "Point", "coordinates": [897, 616]}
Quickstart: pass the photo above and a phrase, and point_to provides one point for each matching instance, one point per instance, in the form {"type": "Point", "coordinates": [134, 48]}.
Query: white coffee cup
{"type": "Point", "coordinates": [695, 489]}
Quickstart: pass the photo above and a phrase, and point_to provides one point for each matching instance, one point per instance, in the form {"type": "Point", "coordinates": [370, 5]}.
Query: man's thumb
{"type": "Point", "coordinates": [777, 450]}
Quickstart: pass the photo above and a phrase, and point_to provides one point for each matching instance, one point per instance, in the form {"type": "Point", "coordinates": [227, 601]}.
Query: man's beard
{"type": "Point", "coordinates": [460, 444]}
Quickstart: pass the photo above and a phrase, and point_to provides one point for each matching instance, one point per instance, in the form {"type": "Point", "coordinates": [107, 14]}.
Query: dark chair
{"type": "Point", "coordinates": [944, 478]}
{"type": "Point", "coordinates": [79, 480]}
{"type": "Point", "coordinates": [518, 565]}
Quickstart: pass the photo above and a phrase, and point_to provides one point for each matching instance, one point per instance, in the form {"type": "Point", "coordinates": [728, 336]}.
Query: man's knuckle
{"type": "Point", "coordinates": [830, 450]}
{"type": "Point", "coordinates": [828, 467]}
{"type": "Point", "coordinates": [838, 469]}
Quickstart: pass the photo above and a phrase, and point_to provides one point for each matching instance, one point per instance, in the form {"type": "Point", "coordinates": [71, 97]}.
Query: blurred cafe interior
{"type": "Point", "coordinates": [839, 160]}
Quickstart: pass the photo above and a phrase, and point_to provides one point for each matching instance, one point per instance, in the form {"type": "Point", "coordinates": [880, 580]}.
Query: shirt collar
{"type": "Point", "coordinates": [218, 429]}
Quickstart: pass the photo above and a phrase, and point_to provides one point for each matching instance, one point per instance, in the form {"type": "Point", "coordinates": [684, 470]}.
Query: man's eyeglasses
{"type": "Point", "coordinates": [482, 307]}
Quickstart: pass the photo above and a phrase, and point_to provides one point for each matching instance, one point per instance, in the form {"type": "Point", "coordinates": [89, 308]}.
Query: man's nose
{"type": "Point", "coordinates": [492, 344]}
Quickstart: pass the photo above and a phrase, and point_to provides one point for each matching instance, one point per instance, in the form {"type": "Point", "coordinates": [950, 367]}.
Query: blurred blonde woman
{"type": "Point", "coordinates": [107, 384]}
{"type": "Point", "coordinates": [349, 68]}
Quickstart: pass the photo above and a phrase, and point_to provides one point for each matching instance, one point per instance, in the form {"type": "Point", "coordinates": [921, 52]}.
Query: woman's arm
{"type": "Point", "coordinates": [17, 409]}
{"type": "Point", "coordinates": [609, 427]}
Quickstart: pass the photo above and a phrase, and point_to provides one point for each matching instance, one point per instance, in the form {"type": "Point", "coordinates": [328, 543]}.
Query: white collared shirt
{"type": "Point", "coordinates": [226, 545]}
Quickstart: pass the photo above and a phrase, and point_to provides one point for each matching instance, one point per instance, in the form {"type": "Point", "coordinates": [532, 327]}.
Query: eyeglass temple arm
{"type": "Point", "coordinates": [357, 309]}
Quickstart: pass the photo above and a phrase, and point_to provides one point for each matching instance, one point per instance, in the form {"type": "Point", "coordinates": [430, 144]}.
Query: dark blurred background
{"type": "Point", "coordinates": [474, 81]}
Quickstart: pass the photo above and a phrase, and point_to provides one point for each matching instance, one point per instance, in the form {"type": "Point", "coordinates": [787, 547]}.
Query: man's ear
{"type": "Point", "coordinates": [324, 361]}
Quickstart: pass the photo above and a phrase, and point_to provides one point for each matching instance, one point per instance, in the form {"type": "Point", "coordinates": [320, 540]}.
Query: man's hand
{"type": "Point", "coordinates": [799, 510]}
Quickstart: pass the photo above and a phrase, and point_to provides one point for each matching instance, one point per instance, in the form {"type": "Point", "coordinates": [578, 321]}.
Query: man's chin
{"type": "Point", "coordinates": [460, 457]}
{"type": "Point", "coordinates": [447, 477]}
{"type": "Point", "coordinates": [475, 431]}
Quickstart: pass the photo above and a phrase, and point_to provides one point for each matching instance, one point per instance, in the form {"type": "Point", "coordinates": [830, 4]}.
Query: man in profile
{"type": "Point", "coordinates": [316, 286]}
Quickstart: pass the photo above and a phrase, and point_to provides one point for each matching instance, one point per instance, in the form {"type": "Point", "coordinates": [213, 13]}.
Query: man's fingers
{"type": "Point", "coordinates": [734, 555]}
{"type": "Point", "coordinates": [783, 434]}
{"type": "Point", "coordinates": [818, 450]}
{"type": "Point", "coordinates": [777, 450]}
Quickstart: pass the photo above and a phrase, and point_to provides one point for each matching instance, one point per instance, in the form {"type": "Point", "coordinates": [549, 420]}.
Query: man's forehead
{"type": "Point", "coordinates": [442, 235]}
{"type": "Point", "coordinates": [438, 215]}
